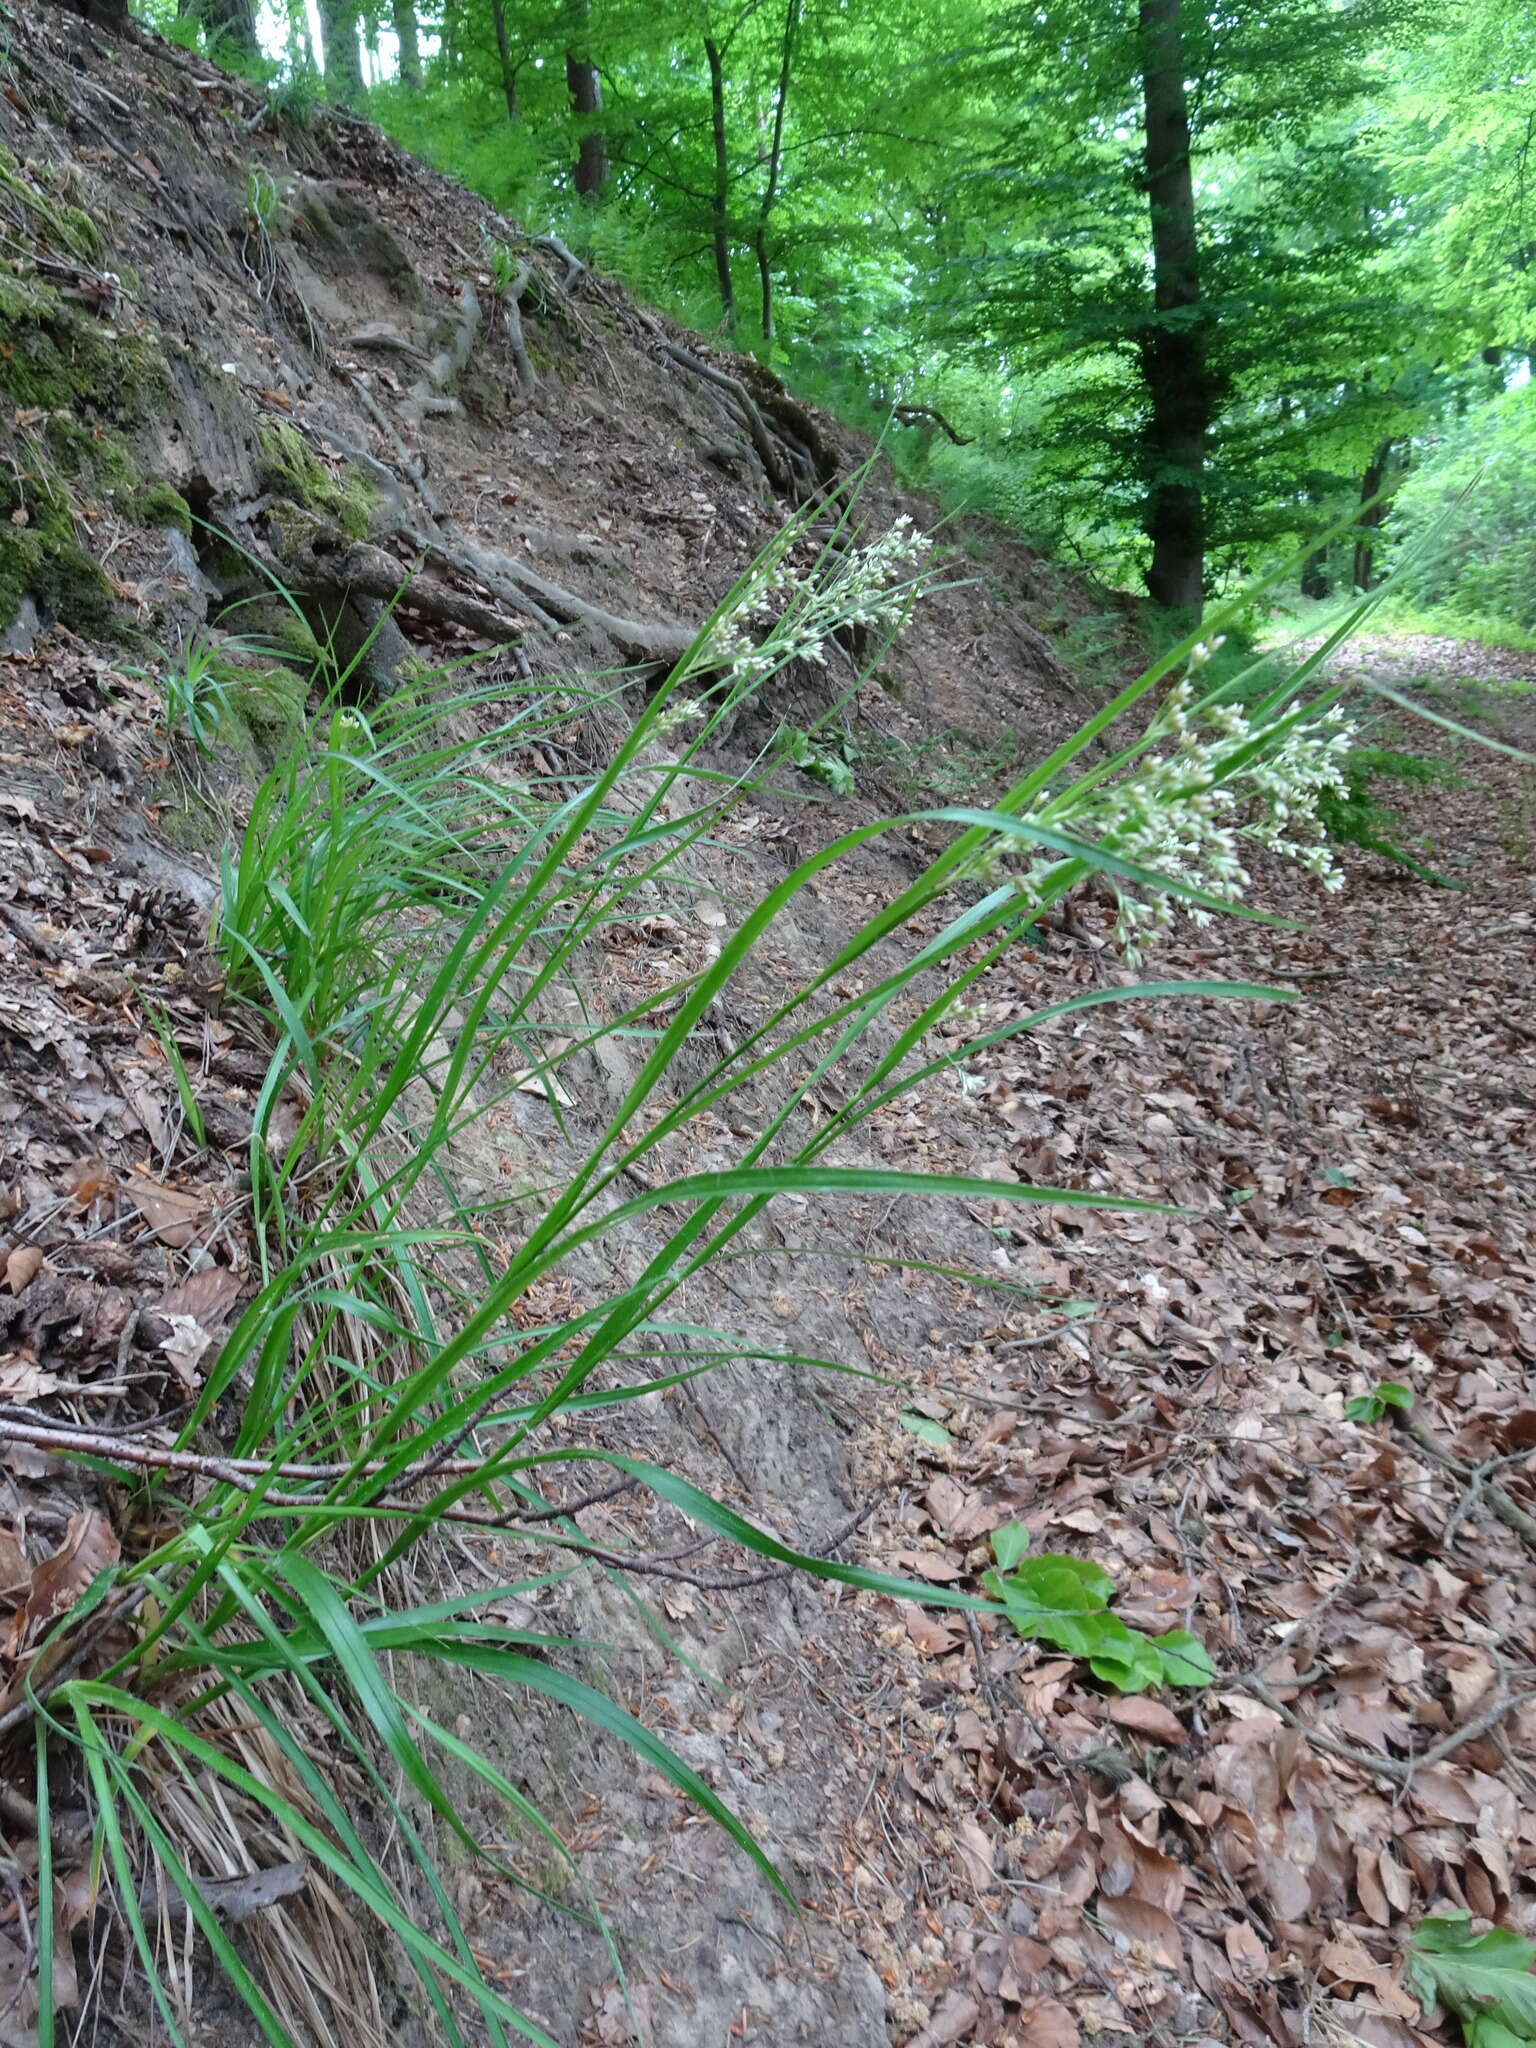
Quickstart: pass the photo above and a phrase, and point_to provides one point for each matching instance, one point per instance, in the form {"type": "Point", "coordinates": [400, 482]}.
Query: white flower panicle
{"type": "Point", "coordinates": [796, 612]}
{"type": "Point", "coordinates": [1185, 811]}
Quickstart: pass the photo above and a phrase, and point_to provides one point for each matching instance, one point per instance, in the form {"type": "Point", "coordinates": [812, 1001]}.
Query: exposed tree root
{"type": "Point", "coordinates": [769, 450]}
{"type": "Point", "coordinates": [362, 572]}
{"type": "Point", "coordinates": [575, 269]}
{"type": "Point", "coordinates": [448, 365]}
{"type": "Point", "coordinates": [512, 315]}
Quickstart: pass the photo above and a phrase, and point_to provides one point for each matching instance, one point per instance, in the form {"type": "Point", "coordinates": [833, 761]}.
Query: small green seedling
{"type": "Point", "coordinates": [1372, 1406]}
{"type": "Point", "coordinates": [1064, 1601]}
{"type": "Point", "coordinates": [1484, 1979]}
{"type": "Point", "coordinates": [832, 765]}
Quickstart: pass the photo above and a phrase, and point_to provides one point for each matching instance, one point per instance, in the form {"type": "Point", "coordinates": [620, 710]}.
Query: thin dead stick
{"type": "Point", "coordinates": [247, 1473]}
{"type": "Point", "coordinates": [1385, 1766]}
{"type": "Point", "coordinates": [48, 1436]}
{"type": "Point", "coordinates": [983, 1675]}
{"type": "Point", "coordinates": [73, 1658]}
{"type": "Point", "coordinates": [1498, 1502]}
{"type": "Point", "coordinates": [1308, 1620]}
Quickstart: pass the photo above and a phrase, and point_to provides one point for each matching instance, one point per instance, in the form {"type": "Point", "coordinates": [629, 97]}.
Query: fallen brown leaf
{"type": "Point", "coordinates": [22, 1267]}
{"type": "Point", "coordinates": [89, 1546]}
{"type": "Point", "coordinates": [172, 1214]}
{"type": "Point", "coordinates": [1148, 1717]}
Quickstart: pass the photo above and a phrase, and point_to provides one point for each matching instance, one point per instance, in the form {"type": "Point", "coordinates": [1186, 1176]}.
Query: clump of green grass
{"type": "Point", "coordinates": [409, 923]}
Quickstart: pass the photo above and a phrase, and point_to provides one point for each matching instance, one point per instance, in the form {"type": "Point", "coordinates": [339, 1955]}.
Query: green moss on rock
{"type": "Point", "coordinates": [41, 557]}
{"type": "Point", "coordinates": [162, 505]}
{"type": "Point", "coordinates": [59, 358]}
{"type": "Point", "coordinates": [291, 469]}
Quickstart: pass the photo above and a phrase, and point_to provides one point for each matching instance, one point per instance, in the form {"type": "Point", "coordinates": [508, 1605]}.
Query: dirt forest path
{"type": "Point", "coordinates": [1040, 1862]}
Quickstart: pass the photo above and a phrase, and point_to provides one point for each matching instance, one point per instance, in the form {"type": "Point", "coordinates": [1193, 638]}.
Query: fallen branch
{"type": "Point", "coordinates": [909, 415]}
{"type": "Point", "coordinates": [1498, 1502]}
{"type": "Point", "coordinates": [246, 1474]}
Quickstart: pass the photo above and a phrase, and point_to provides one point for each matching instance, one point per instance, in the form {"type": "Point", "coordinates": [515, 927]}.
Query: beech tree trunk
{"type": "Point", "coordinates": [775, 161]}
{"type": "Point", "coordinates": [340, 55]}
{"type": "Point", "coordinates": [508, 68]}
{"type": "Point", "coordinates": [1173, 346]}
{"type": "Point", "coordinates": [229, 25]}
{"type": "Point", "coordinates": [410, 43]}
{"type": "Point", "coordinates": [721, 196]}
{"type": "Point", "coordinates": [586, 90]}
{"type": "Point", "coordinates": [1373, 510]}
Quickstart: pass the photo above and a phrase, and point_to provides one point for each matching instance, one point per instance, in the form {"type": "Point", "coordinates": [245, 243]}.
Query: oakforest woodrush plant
{"type": "Point", "coordinates": [411, 924]}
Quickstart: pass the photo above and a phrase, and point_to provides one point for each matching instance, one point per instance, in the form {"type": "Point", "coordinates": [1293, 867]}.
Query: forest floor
{"type": "Point", "coordinates": [1355, 1176]}
{"type": "Point", "coordinates": [1014, 1857]}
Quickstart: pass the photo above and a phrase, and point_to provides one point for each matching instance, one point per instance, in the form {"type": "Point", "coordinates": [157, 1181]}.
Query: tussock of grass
{"type": "Point", "coordinates": [408, 923]}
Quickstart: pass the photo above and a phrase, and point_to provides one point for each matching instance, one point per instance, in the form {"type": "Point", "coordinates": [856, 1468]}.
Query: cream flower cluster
{"type": "Point", "coordinates": [866, 585]}
{"type": "Point", "coordinates": [1186, 810]}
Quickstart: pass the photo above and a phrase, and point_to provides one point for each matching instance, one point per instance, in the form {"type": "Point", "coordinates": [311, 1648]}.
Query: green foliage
{"type": "Point", "coordinates": [828, 759]}
{"type": "Point", "coordinates": [503, 265]}
{"type": "Point", "coordinates": [1373, 1406]}
{"type": "Point", "coordinates": [203, 684]}
{"type": "Point", "coordinates": [1486, 1979]}
{"type": "Point", "coordinates": [262, 199]}
{"type": "Point", "coordinates": [1467, 516]}
{"type": "Point", "coordinates": [1354, 816]}
{"type": "Point", "coordinates": [298, 97]}
{"type": "Point", "coordinates": [1064, 1601]}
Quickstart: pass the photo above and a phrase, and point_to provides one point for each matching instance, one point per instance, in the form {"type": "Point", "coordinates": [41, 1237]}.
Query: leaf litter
{"type": "Point", "coordinates": [1038, 1861]}
{"type": "Point", "coordinates": [1048, 1862]}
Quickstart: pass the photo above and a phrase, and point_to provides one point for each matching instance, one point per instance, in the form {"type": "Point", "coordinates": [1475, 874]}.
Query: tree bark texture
{"type": "Point", "coordinates": [339, 51]}
{"type": "Point", "coordinates": [1173, 346]}
{"type": "Point", "coordinates": [586, 90]}
{"type": "Point", "coordinates": [720, 200]}
{"type": "Point", "coordinates": [504, 58]}
{"type": "Point", "coordinates": [1373, 510]}
{"type": "Point", "coordinates": [775, 163]}
{"type": "Point", "coordinates": [408, 38]}
{"type": "Point", "coordinates": [228, 25]}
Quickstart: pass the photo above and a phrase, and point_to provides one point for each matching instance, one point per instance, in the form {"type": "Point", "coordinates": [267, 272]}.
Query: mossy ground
{"type": "Point", "coordinates": [291, 468]}
{"type": "Point", "coordinates": [41, 556]}
{"type": "Point", "coordinates": [72, 388]}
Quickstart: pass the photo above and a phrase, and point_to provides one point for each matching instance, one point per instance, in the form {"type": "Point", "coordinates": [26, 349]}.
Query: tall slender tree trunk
{"type": "Point", "coordinates": [720, 227]}
{"type": "Point", "coordinates": [1173, 347]}
{"type": "Point", "coordinates": [508, 69]}
{"type": "Point", "coordinates": [586, 90]}
{"type": "Point", "coordinates": [339, 51]}
{"type": "Point", "coordinates": [229, 25]}
{"type": "Point", "coordinates": [775, 162]}
{"type": "Point", "coordinates": [408, 38]}
{"type": "Point", "coordinates": [1373, 510]}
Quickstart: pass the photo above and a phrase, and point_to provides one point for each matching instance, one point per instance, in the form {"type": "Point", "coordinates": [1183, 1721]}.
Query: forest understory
{"type": "Point", "coordinates": [279, 402]}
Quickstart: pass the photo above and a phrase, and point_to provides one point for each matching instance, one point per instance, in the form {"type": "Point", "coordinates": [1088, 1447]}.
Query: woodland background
{"type": "Point", "coordinates": [1192, 286]}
